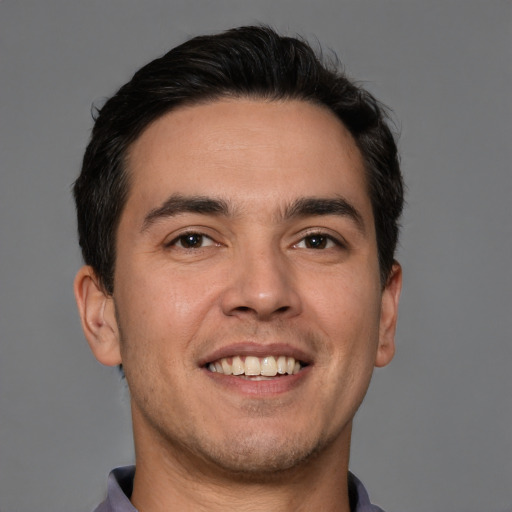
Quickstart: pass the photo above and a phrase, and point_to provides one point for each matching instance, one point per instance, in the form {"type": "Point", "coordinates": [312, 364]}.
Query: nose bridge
{"type": "Point", "coordinates": [261, 282]}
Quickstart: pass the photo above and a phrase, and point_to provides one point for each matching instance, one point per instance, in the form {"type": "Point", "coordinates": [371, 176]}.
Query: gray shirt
{"type": "Point", "coordinates": [120, 485]}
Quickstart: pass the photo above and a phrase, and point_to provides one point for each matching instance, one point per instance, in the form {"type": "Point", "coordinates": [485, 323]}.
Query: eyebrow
{"type": "Point", "coordinates": [313, 206]}
{"type": "Point", "coordinates": [177, 204]}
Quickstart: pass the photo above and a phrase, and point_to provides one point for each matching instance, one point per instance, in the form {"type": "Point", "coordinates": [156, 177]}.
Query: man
{"type": "Point", "coordinates": [237, 212]}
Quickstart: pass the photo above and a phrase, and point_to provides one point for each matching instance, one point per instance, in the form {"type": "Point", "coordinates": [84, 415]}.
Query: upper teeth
{"type": "Point", "coordinates": [268, 366]}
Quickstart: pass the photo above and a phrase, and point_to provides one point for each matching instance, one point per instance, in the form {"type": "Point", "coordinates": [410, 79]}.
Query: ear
{"type": "Point", "coordinates": [388, 316]}
{"type": "Point", "coordinates": [97, 313]}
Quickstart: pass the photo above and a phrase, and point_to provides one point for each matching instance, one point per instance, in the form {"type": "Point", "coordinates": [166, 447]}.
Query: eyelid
{"type": "Point", "coordinates": [190, 231]}
{"type": "Point", "coordinates": [335, 238]}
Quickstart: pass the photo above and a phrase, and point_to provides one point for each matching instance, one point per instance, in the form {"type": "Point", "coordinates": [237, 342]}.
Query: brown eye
{"type": "Point", "coordinates": [316, 242]}
{"type": "Point", "coordinates": [192, 241]}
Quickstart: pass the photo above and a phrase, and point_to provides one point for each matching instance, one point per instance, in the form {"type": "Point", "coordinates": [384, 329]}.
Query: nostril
{"type": "Point", "coordinates": [247, 309]}
{"type": "Point", "coordinates": [247, 298]}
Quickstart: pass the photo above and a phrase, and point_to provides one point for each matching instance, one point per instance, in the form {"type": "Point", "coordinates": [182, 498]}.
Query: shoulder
{"type": "Point", "coordinates": [358, 496]}
{"type": "Point", "coordinates": [120, 485]}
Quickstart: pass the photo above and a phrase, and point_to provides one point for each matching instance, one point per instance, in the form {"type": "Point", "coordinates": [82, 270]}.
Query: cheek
{"type": "Point", "coordinates": [350, 298]}
{"type": "Point", "coordinates": [162, 307]}
{"type": "Point", "coordinates": [346, 310]}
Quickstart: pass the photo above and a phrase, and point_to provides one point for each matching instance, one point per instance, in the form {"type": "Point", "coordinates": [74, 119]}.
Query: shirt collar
{"type": "Point", "coordinates": [120, 486]}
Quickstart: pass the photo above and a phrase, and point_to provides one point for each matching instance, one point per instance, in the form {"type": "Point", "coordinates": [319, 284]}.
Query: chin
{"type": "Point", "coordinates": [260, 457]}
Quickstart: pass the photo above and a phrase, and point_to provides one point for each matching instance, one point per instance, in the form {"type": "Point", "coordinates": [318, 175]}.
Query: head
{"type": "Point", "coordinates": [248, 62]}
{"type": "Point", "coordinates": [238, 211]}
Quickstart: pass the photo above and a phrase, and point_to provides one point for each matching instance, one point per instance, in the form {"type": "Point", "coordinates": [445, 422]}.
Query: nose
{"type": "Point", "coordinates": [262, 286]}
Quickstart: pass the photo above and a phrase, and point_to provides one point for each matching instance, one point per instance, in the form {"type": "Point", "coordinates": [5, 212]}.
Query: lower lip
{"type": "Point", "coordinates": [260, 388]}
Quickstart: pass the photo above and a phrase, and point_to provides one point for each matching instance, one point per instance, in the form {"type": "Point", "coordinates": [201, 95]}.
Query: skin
{"type": "Point", "coordinates": [259, 280]}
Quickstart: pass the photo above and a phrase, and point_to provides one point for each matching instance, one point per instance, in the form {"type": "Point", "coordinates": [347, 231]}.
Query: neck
{"type": "Point", "coordinates": [167, 478]}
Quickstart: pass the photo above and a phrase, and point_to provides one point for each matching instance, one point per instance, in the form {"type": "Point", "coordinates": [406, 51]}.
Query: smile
{"type": "Point", "coordinates": [251, 366]}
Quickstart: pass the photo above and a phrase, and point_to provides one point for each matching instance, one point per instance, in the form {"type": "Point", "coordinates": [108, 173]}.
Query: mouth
{"type": "Point", "coordinates": [256, 368]}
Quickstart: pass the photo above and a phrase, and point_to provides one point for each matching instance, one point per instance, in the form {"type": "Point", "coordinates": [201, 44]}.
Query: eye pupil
{"type": "Point", "coordinates": [191, 240]}
{"type": "Point", "coordinates": [316, 242]}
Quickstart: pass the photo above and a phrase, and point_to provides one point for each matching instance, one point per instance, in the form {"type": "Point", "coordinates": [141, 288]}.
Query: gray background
{"type": "Point", "coordinates": [435, 432]}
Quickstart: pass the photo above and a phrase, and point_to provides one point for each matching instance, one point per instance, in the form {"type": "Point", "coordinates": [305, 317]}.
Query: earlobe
{"type": "Point", "coordinates": [97, 314]}
{"type": "Point", "coordinates": [389, 316]}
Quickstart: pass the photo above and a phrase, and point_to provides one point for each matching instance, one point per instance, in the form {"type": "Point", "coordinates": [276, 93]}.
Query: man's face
{"type": "Point", "coordinates": [247, 240]}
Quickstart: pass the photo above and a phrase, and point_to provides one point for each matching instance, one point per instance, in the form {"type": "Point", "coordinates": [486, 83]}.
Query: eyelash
{"type": "Point", "coordinates": [325, 238]}
{"type": "Point", "coordinates": [178, 241]}
{"type": "Point", "coordinates": [321, 235]}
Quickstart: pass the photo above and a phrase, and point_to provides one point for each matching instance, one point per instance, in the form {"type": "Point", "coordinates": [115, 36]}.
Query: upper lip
{"type": "Point", "coordinates": [257, 350]}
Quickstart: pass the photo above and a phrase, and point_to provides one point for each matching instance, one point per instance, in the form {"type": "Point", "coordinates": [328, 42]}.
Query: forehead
{"type": "Point", "coordinates": [248, 150]}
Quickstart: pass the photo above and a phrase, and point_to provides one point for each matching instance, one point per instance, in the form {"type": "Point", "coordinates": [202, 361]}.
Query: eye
{"type": "Point", "coordinates": [191, 241]}
{"type": "Point", "coordinates": [317, 241]}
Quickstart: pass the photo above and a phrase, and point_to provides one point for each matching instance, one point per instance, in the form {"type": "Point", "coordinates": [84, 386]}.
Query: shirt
{"type": "Point", "coordinates": [120, 485]}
